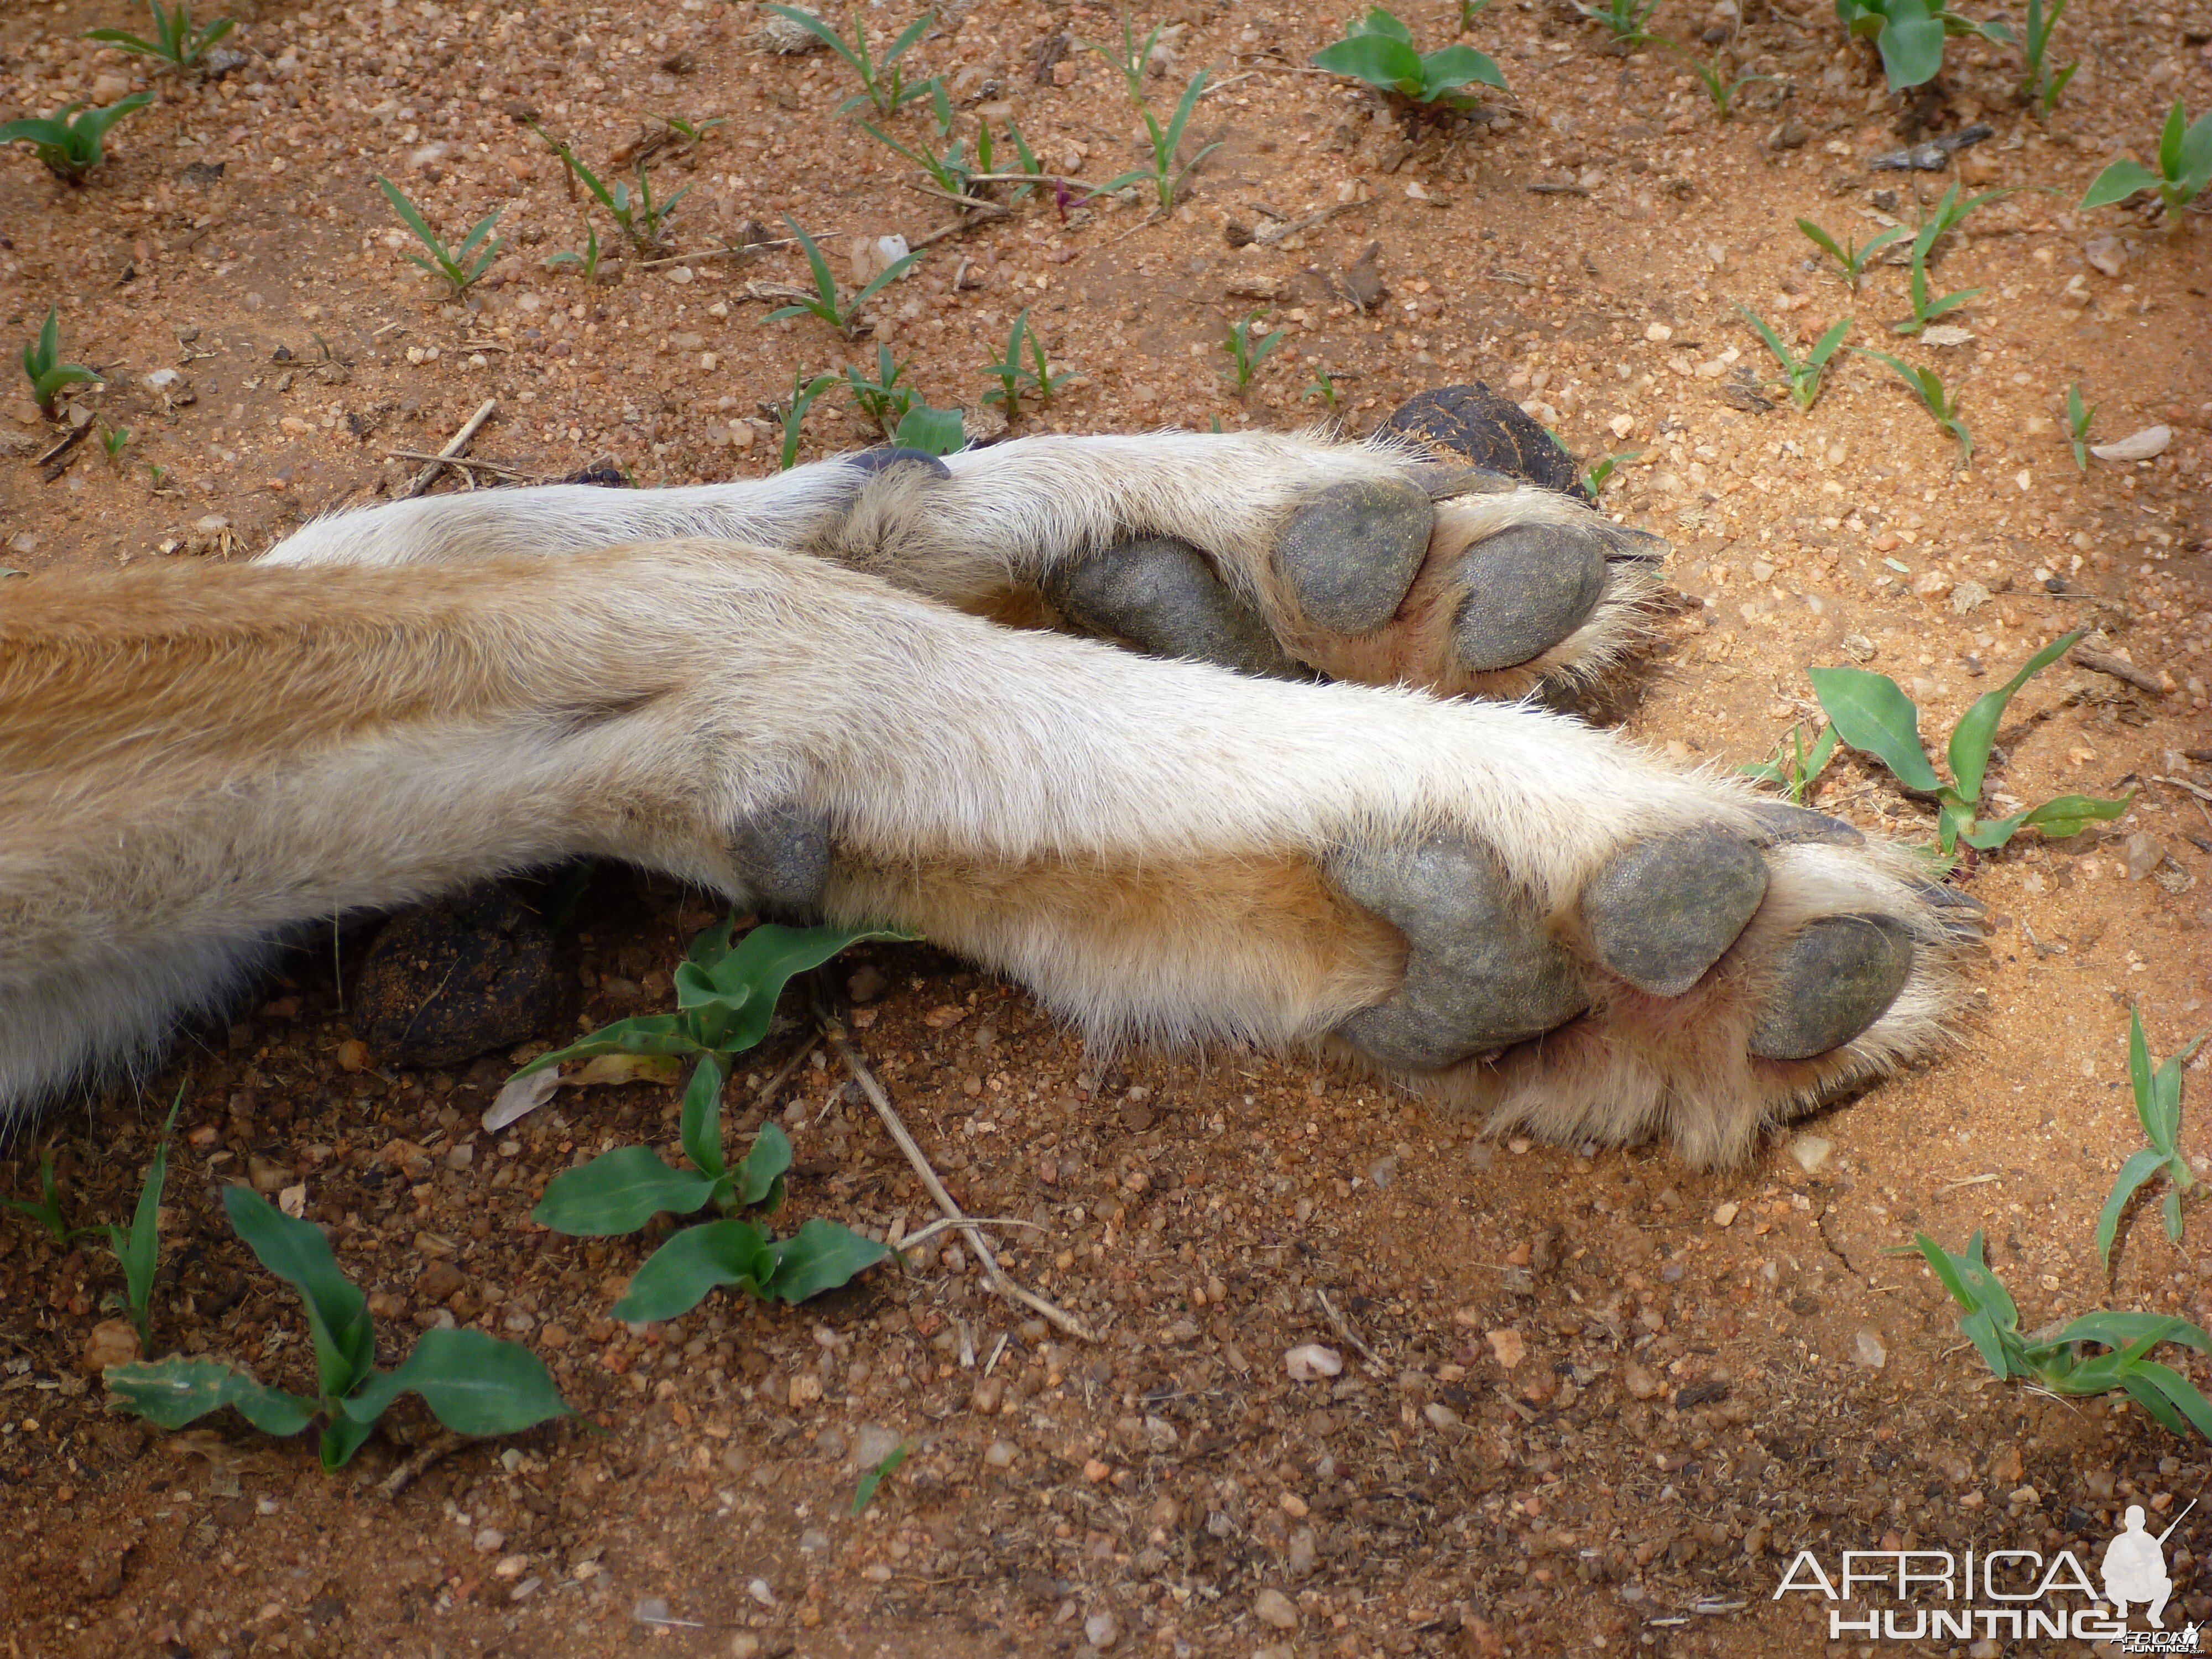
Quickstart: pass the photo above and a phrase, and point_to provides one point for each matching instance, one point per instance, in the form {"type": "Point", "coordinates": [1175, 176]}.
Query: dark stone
{"type": "Point", "coordinates": [1661, 913]}
{"type": "Point", "coordinates": [445, 984]}
{"type": "Point", "coordinates": [1351, 550]}
{"type": "Point", "coordinates": [1528, 588]}
{"type": "Point", "coordinates": [1481, 972]}
{"type": "Point", "coordinates": [1165, 597]}
{"type": "Point", "coordinates": [1474, 424]}
{"type": "Point", "coordinates": [1839, 975]}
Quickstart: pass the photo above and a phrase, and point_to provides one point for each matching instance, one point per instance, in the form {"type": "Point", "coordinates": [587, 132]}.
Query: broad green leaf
{"type": "Point", "coordinates": [1949, 1270]}
{"type": "Point", "coordinates": [1993, 833]}
{"type": "Point", "coordinates": [820, 1256]}
{"type": "Point", "coordinates": [1381, 60]}
{"type": "Point", "coordinates": [1457, 66]}
{"type": "Point", "coordinates": [1825, 348]}
{"type": "Point", "coordinates": [2118, 181]}
{"type": "Point", "coordinates": [1382, 22]}
{"type": "Point", "coordinates": [863, 1493]}
{"type": "Point", "coordinates": [173, 1392]}
{"type": "Point", "coordinates": [2196, 170]}
{"type": "Point", "coordinates": [1982, 1330]}
{"type": "Point", "coordinates": [341, 1438]}
{"type": "Point", "coordinates": [767, 959]}
{"type": "Point", "coordinates": [1977, 728]}
{"type": "Point", "coordinates": [2141, 1391]}
{"type": "Point", "coordinates": [764, 1165]}
{"type": "Point", "coordinates": [2137, 1169]}
{"type": "Point", "coordinates": [299, 1254]}
{"type": "Point", "coordinates": [678, 1276]}
{"type": "Point", "coordinates": [932, 431]}
{"type": "Point", "coordinates": [2139, 1084]}
{"type": "Point", "coordinates": [1821, 239]}
{"type": "Point", "coordinates": [2169, 143]}
{"type": "Point", "coordinates": [2119, 1330]}
{"type": "Point", "coordinates": [473, 1383]}
{"type": "Point", "coordinates": [2065, 815]}
{"type": "Point", "coordinates": [1911, 43]}
{"type": "Point", "coordinates": [2179, 1393]}
{"type": "Point", "coordinates": [701, 1132]}
{"type": "Point", "coordinates": [1988, 1291]}
{"type": "Point", "coordinates": [2172, 1214]}
{"type": "Point", "coordinates": [1872, 713]}
{"type": "Point", "coordinates": [619, 1192]}
{"type": "Point", "coordinates": [650, 1034]}
{"type": "Point", "coordinates": [2165, 1090]}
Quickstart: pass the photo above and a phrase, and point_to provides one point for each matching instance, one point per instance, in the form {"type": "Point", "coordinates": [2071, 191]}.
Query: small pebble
{"type": "Point", "coordinates": [1866, 1349]}
{"type": "Point", "coordinates": [813, 1540]}
{"type": "Point", "coordinates": [1725, 1214]}
{"type": "Point", "coordinates": [653, 1610]}
{"type": "Point", "coordinates": [1811, 1153]}
{"type": "Point", "coordinates": [2140, 854]}
{"type": "Point", "coordinates": [1101, 1631]}
{"type": "Point", "coordinates": [112, 1342]}
{"type": "Point", "coordinates": [1510, 1346]}
{"type": "Point", "coordinates": [490, 1540]}
{"type": "Point", "coordinates": [1000, 1455]}
{"type": "Point", "coordinates": [1310, 1362]}
{"type": "Point", "coordinates": [1275, 1610]}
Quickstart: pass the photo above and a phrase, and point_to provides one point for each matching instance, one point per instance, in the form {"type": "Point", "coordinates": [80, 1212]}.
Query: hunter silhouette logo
{"type": "Point", "coordinates": [2002, 1593]}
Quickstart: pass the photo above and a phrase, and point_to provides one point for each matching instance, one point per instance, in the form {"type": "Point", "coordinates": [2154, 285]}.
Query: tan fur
{"type": "Point", "coordinates": [197, 762]}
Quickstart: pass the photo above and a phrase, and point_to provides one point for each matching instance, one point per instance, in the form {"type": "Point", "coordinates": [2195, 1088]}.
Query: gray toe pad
{"type": "Point", "coordinates": [1351, 551]}
{"type": "Point", "coordinates": [782, 855]}
{"type": "Point", "coordinates": [1481, 972]}
{"type": "Point", "coordinates": [1528, 588]}
{"type": "Point", "coordinates": [1836, 977]}
{"type": "Point", "coordinates": [1165, 596]}
{"type": "Point", "coordinates": [1663, 912]}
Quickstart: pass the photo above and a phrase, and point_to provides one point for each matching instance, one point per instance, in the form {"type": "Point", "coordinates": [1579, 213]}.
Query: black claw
{"type": "Point", "coordinates": [1838, 976]}
{"type": "Point", "coordinates": [1351, 550]}
{"type": "Point", "coordinates": [1787, 826]}
{"type": "Point", "coordinates": [1663, 912]}
{"type": "Point", "coordinates": [782, 855]}
{"type": "Point", "coordinates": [1481, 972]}
{"type": "Point", "coordinates": [1165, 597]}
{"type": "Point", "coordinates": [1528, 588]}
{"type": "Point", "coordinates": [884, 457]}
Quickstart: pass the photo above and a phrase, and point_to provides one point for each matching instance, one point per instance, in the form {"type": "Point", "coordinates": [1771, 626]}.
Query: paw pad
{"type": "Point", "coordinates": [1835, 978]}
{"type": "Point", "coordinates": [1165, 596]}
{"type": "Point", "coordinates": [1352, 550]}
{"type": "Point", "coordinates": [1663, 912]}
{"type": "Point", "coordinates": [1528, 588]}
{"type": "Point", "coordinates": [782, 854]}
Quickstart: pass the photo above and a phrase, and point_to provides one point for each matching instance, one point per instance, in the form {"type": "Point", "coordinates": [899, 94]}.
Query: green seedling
{"type": "Point", "coordinates": [2055, 1357]}
{"type": "Point", "coordinates": [1873, 714]}
{"type": "Point", "coordinates": [1468, 10]}
{"type": "Point", "coordinates": [2077, 425]}
{"type": "Point", "coordinates": [138, 1247]}
{"type": "Point", "coordinates": [1793, 768]}
{"type": "Point", "coordinates": [1624, 19]}
{"type": "Point", "coordinates": [1910, 34]}
{"type": "Point", "coordinates": [2185, 166]}
{"type": "Point", "coordinates": [1379, 50]}
{"type": "Point", "coordinates": [1850, 255]}
{"type": "Point", "coordinates": [1012, 374]}
{"type": "Point", "coordinates": [692, 132]}
{"type": "Point", "coordinates": [804, 391]}
{"type": "Point", "coordinates": [1245, 354]}
{"type": "Point", "coordinates": [826, 304]}
{"type": "Point", "coordinates": [473, 1383]}
{"type": "Point", "coordinates": [1323, 386]}
{"type": "Point", "coordinates": [48, 1211]}
{"type": "Point", "coordinates": [1801, 375]}
{"type": "Point", "coordinates": [865, 1493]}
{"type": "Point", "coordinates": [2157, 1108]}
{"type": "Point", "coordinates": [951, 171]}
{"type": "Point", "coordinates": [883, 84]}
{"type": "Point", "coordinates": [641, 218]}
{"type": "Point", "coordinates": [454, 264]}
{"type": "Point", "coordinates": [1928, 386]}
{"type": "Point", "coordinates": [1718, 86]}
{"type": "Point", "coordinates": [726, 997]}
{"type": "Point", "coordinates": [587, 264]}
{"type": "Point", "coordinates": [1600, 471]}
{"type": "Point", "coordinates": [1949, 212]}
{"type": "Point", "coordinates": [1165, 175]}
{"type": "Point", "coordinates": [2043, 84]}
{"type": "Point", "coordinates": [178, 44]}
{"type": "Point", "coordinates": [43, 368]}
{"type": "Point", "coordinates": [69, 142]}
{"type": "Point", "coordinates": [883, 400]}
{"type": "Point", "coordinates": [113, 440]}
{"type": "Point", "coordinates": [1130, 62]}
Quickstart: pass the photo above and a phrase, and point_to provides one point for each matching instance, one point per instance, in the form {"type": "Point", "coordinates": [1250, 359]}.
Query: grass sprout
{"type": "Point", "coordinates": [456, 266]}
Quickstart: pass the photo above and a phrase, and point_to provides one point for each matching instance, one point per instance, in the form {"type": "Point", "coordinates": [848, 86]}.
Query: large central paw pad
{"type": "Point", "coordinates": [1482, 970]}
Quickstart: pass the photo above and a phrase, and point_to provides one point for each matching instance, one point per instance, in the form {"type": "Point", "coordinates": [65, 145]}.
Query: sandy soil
{"type": "Point", "coordinates": [1592, 1401]}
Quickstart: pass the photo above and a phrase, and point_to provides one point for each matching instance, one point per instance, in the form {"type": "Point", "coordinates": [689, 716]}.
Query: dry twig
{"type": "Point", "coordinates": [442, 1445]}
{"type": "Point", "coordinates": [834, 1034]}
{"type": "Point", "coordinates": [446, 457]}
